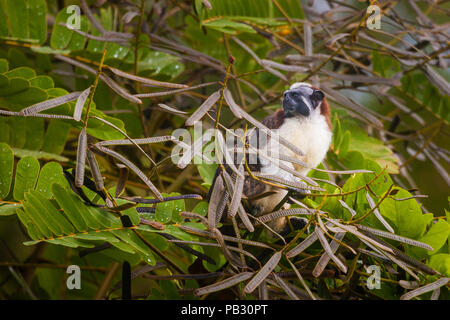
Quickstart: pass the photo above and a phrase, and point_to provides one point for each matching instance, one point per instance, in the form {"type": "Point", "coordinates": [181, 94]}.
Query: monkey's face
{"type": "Point", "coordinates": [301, 100]}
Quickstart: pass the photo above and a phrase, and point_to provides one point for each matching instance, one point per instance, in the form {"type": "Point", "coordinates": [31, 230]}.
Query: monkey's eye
{"type": "Point", "coordinates": [316, 97]}
{"type": "Point", "coordinates": [296, 95]}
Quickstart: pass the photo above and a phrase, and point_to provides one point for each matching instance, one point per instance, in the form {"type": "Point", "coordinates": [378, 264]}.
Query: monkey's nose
{"type": "Point", "coordinates": [290, 99]}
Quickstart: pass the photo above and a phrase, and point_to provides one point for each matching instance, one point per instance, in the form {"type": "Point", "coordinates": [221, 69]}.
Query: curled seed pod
{"type": "Point", "coordinates": [285, 287]}
{"type": "Point", "coordinates": [329, 251]}
{"type": "Point", "coordinates": [81, 158]}
{"type": "Point", "coordinates": [346, 206]}
{"type": "Point", "coordinates": [48, 104]}
{"type": "Point", "coordinates": [395, 237]}
{"type": "Point", "coordinates": [217, 195]}
{"type": "Point", "coordinates": [378, 214]}
{"type": "Point", "coordinates": [98, 179]}
{"type": "Point", "coordinates": [133, 167]}
{"type": "Point", "coordinates": [80, 104]}
{"type": "Point", "coordinates": [426, 288]}
{"type": "Point", "coordinates": [263, 273]}
{"type": "Point", "coordinates": [226, 251]}
{"type": "Point", "coordinates": [325, 258]}
{"type": "Point", "coordinates": [283, 213]}
{"type": "Point", "coordinates": [123, 178]}
{"type": "Point", "coordinates": [135, 141]}
{"type": "Point", "coordinates": [221, 285]}
{"type": "Point", "coordinates": [203, 109]}
{"type": "Point", "coordinates": [237, 193]}
{"type": "Point", "coordinates": [408, 284]}
{"type": "Point", "coordinates": [302, 246]}
{"type": "Point", "coordinates": [244, 218]}
{"type": "Point", "coordinates": [231, 103]}
{"type": "Point", "coordinates": [119, 90]}
{"type": "Point", "coordinates": [148, 81]}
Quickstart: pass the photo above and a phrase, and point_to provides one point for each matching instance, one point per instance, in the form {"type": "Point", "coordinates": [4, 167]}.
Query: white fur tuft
{"type": "Point", "coordinates": [299, 84]}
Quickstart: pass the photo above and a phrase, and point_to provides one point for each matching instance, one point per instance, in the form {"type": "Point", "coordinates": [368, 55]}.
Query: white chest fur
{"type": "Point", "coordinates": [311, 135]}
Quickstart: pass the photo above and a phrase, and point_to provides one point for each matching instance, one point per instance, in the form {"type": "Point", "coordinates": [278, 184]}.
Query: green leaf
{"type": "Point", "coordinates": [26, 175]}
{"type": "Point", "coordinates": [437, 235]}
{"type": "Point", "coordinates": [17, 58]}
{"type": "Point", "coordinates": [370, 147]}
{"type": "Point", "coordinates": [50, 281]}
{"type": "Point", "coordinates": [201, 208]}
{"type": "Point", "coordinates": [77, 41]}
{"type": "Point", "coordinates": [18, 18]}
{"type": "Point", "coordinates": [250, 8]}
{"type": "Point", "coordinates": [56, 136]}
{"type": "Point", "coordinates": [6, 169]}
{"type": "Point", "coordinates": [21, 72]}
{"type": "Point", "coordinates": [102, 131]}
{"type": "Point", "coordinates": [18, 129]}
{"type": "Point", "coordinates": [178, 206]}
{"type": "Point", "coordinates": [228, 26]}
{"type": "Point", "coordinates": [27, 97]}
{"type": "Point", "coordinates": [130, 238]}
{"type": "Point", "coordinates": [61, 35]}
{"type": "Point", "coordinates": [5, 133]}
{"type": "Point", "coordinates": [72, 209]}
{"type": "Point", "coordinates": [71, 242]}
{"type": "Point", "coordinates": [4, 81]}
{"type": "Point", "coordinates": [25, 218]}
{"type": "Point", "coordinates": [106, 219]}
{"type": "Point", "coordinates": [122, 246]}
{"type": "Point", "coordinates": [51, 172]}
{"type": "Point", "coordinates": [164, 211]}
{"type": "Point", "coordinates": [344, 145]}
{"type": "Point", "coordinates": [206, 171]}
{"type": "Point", "coordinates": [21, 153]}
{"type": "Point", "coordinates": [441, 263]}
{"type": "Point", "coordinates": [9, 209]}
{"type": "Point", "coordinates": [38, 219]}
{"type": "Point", "coordinates": [37, 11]}
{"type": "Point", "coordinates": [82, 215]}
{"type": "Point", "coordinates": [16, 85]}
{"type": "Point", "coordinates": [353, 160]}
{"type": "Point", "coordinates": [131, 212]}
{"type": "Point", "coordinates": [34, 133]}
{"type": "Point", "coordinates": [95, 235]}
{"type": "Point", "coordinates": [3, 23]}
{"type": "Point", "coordinates": [43, 82]}
{"type": "Point", "coordinates": [49, 50]}
{"type": "Point", "coordinates": [406, 216]}
{"type": "Point", "coordinates": [55, 221]}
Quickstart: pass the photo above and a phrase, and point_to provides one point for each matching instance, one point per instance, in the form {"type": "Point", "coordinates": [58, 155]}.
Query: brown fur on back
{"type": "Point", "coordinates": [325, 111]}
{"type": "Point", "coordinates": [275, 120]}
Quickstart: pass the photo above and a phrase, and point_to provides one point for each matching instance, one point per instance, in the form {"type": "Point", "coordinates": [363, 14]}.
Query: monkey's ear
{"type": "Point", "coordinates": [317, 97]}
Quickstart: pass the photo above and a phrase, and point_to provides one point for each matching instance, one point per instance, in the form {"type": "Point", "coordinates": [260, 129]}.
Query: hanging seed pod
{"type": "Point", "coordinates": [98, 179]}
{"type": "Point", "coordinates": [81, 158]}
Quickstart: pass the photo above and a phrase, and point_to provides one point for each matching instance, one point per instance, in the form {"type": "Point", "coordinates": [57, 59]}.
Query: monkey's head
{"type": "Point", "coordinates": [301, 100]}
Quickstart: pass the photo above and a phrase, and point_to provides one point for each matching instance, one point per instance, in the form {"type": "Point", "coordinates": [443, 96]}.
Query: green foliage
{"type": "Point", "coordinates": [231, 17]}
{"type": "Point", "coordinates": [23, 20]}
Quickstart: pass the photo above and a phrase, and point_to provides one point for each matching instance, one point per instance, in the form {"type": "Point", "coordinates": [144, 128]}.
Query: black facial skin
{"type": "Point", "coordinates": [293, 103]}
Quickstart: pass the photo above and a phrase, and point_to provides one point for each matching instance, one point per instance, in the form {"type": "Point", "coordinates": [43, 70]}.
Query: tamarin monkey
{"type": "Point", "coordinates": [304, 121]}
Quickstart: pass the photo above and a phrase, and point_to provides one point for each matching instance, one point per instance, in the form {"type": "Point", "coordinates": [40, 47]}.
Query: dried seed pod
{"type": "Point", "coordinates": [81, 158]}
